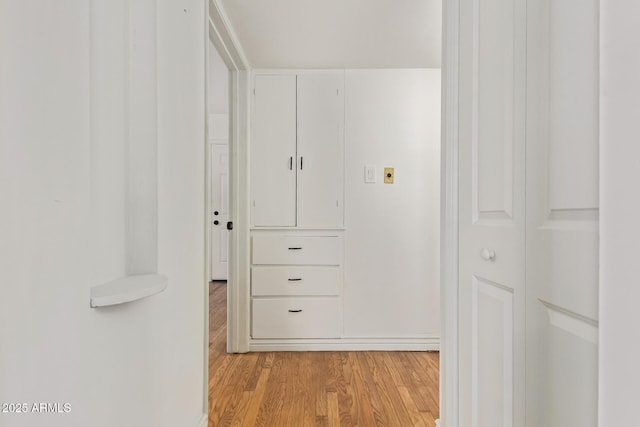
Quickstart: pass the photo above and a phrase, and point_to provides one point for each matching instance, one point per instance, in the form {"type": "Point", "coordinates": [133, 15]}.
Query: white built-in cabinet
{"type": "Point", "coordinates": [296, 283]}
{"type": "Point", "coordinates": [297, 150]}
{"type": "Point", "coordinates": [273, 151]}
{"type": "Point", "coordinates": [297, 197]}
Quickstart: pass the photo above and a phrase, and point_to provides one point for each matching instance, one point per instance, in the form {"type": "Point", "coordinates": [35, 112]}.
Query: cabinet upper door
{"type": "Point", "coordinates": [320, 150]}
{"type": "Point", "coordinates": [273, 151]}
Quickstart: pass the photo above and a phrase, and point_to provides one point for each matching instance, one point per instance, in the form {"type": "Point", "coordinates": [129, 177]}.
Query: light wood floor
{"type": "Point", "coordinates": [316, 388]}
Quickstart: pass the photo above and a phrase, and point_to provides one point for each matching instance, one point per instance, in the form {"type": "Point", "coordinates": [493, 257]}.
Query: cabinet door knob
{"type": "Point", "coordinates": [295, 249]}
{"type": "Point", "coordinates": [216, 222]}
{"type": "Point", "coordinates": [295, 311]}
{"type": "Point", "coordinates": [488, 254]}
{"type": "Point", "coordinates": [297, 279]}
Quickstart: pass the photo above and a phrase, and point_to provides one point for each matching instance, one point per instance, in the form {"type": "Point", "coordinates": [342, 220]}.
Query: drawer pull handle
{"type": "Point", "coordinates": [295, 249]}
{"type": "Point", "coordinates": [295, 311]}
{"type": "Point", "coordinates": [295, 280]}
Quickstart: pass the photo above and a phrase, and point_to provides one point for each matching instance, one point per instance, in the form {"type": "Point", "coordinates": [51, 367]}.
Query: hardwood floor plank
{"type": "Point", "coordinates": [221, 378]}
{"type": "Point", "coordinates": [412, 382]}
{"type": "Point", "coordinates": [307, 373]}
{"type": "Point", "coordinates": [218, 411]}
{"type": "Point", "coordinates": [401, 367]}
{"type": "Point", "coordinates": [364, 412]}
{"type": "Point", "coordinates": [346, 401]}
{"type": "Point", "coordinates": [316, 389]}
{"type": "Point", "coordinates": [387, 390]}
{"type": "Point", "coordinates": [257, 395]}
{"type": "Point", "coordinates": [296, 392]}
{"type": "Point", "coordinates": [252, 382]}
{"type": "Point", "coordinates": [322, 421]}
{"type": "Point", "coordinates": [428, 418]}
{"type": "Point", "coordinates": [319, 383]}
{"type": "Point", "coordinates": [369, 388]}
{"type": "Point", "coordinates": [416, 416]}
{"type": "Point", "coordinates": [238, 404]}
{"type": "Point", "coordinates": [332, 409]}
{"type": "Point", "coordinates": [270, 410]}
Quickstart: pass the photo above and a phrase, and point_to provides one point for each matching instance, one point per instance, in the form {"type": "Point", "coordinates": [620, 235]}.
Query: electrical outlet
{"type": "Point", "coordinates": [388, 175]}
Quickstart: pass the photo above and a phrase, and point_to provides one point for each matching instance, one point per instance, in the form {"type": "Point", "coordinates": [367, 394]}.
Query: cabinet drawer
{"type": "Point", "coordinates": [297, 250]}
{"type": "Point", "coordinates": [293, 280]}
{"type": "Point", "coordinates": [296, 317]}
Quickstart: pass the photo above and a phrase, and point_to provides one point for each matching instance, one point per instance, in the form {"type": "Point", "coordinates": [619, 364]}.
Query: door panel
{"type": "Point", "coordinates": [320, 149]}
{"type": "Point", "coordinates": [571, 92]}
{"type": "Point", "coordinates": [562, 215]}
{"type": "Point", "coordinates": [219, 210]}
{"type": "Point", "coordinates": [572, 364]}
{"type": "Point", "coordinates": [491, 213]}
{"type": "Point", "coordinates": [493, 109]}
{"type": "Point", "coordinates": [492, 354]}
{"type": "Point", "coordinates": [273, 151]}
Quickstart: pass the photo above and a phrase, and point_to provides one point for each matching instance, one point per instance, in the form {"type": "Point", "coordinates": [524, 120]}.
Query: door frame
{"type": "Point", "coordinates": [449, 282]}
{"type": "Point", "coordinates": [221, 34]}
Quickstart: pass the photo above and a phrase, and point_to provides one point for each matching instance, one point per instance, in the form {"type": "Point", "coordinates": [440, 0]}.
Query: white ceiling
{"type": "Point", "coordinates": [338, 33]}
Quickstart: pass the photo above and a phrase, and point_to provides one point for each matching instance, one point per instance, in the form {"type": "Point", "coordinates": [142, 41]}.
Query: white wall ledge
{"type": "Point", "coordinates": [127, 289]}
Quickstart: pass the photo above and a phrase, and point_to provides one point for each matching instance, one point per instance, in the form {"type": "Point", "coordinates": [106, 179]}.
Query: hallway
{"type": "Point", "coordinates": [316, 388]}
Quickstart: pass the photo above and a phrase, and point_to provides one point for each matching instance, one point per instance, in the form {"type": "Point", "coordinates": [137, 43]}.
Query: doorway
{"type": "Point", "coordinates": [240, 307]}
{"type": "Point", "coordinates": [218, 141]}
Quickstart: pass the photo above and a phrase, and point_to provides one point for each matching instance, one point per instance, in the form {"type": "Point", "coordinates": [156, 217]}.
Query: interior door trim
{"type": "Point", "coordinates": [219, 31]}
{"type": "Point", "coordinates": [449, 216]}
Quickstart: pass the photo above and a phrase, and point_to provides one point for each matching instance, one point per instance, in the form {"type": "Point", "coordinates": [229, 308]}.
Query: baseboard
{"type": "Point", "coordinates": [347, 344]}
{"type": "Point", "coordinates": [438, 423]}
{"type": "Point", "coordinates": [204, 421]}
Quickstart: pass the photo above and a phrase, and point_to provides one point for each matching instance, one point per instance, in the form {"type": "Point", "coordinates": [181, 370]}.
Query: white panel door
{"type": "Point", "coordinates": [562, 213]}
{"type": "Point", "coordinates": [320, 150]}
{"type": "Point", "coordinates": [492, 214]}
{"type": "Point", "coordinates": [273, 151]}
{"type": "Point", "coordinates": [219, 210]}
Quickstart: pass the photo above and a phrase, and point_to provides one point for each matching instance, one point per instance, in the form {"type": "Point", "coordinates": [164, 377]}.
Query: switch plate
{"type": "Point", "coordinates": [370, 174]}
{"type": "Point", "coordinates": [388, 175]}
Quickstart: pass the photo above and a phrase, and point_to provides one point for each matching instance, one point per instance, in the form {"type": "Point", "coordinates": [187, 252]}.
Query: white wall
{"type": "Point", "coordinates": [218, 90]}
{"type": "Point", "coordinates": [619, 226]}
{"type": "Point", "coordinates": [62, 160]}
{"type": "Point", "coordinates": [392, 238]}
{"type": "Point", "coordinates": [338, 33]}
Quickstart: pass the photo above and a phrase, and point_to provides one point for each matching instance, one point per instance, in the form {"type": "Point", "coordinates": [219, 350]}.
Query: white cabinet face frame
{"type": "Point", "coordinates": [315, 172]}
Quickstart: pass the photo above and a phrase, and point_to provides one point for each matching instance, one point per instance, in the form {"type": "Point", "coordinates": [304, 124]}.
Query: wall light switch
{"type": "Point", "coordinates": [370, 174]}
{"type": "Point", "coordinates": [388, 175]}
